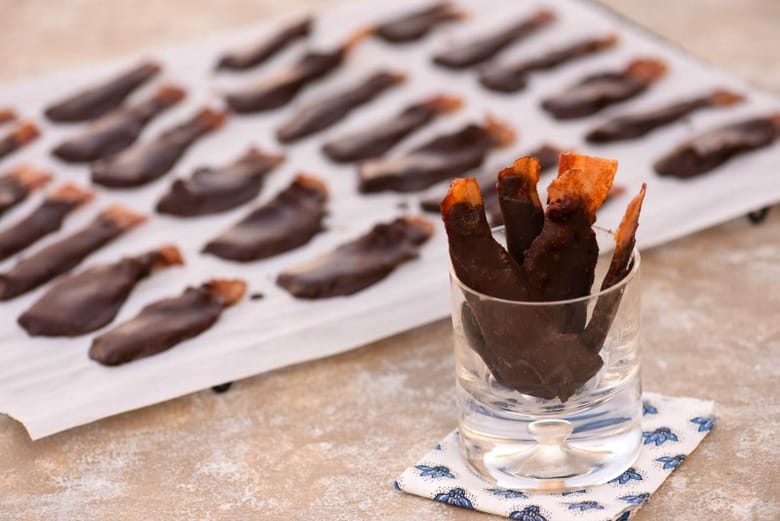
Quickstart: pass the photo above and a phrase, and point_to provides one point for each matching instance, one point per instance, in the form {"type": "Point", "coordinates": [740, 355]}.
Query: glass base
{"type": "Point", "coordinates": [552, 448]}
{"type": "Point", "coordinates": [550, 463]}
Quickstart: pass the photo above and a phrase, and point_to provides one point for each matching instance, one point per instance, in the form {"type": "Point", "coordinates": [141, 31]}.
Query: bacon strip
{"type": "Point", "coordinates": [79, 304]}
{"type": "Point", "coordinates": [163, 324]}
{"type": "Point", "coordinates": [360, 263]}
{"type": "Point", "coordinates": [44, 220]}
{"type": "Point", "coordinates": [62, 256]}
{"type": "Point", "coordinates": [287, 222]}
{"type": "Point", "coordinates": [95, 101]}
{"type": "Point", "coordinates": [254, 55]}
{"type": "Point", "coordinates": [119, 129]}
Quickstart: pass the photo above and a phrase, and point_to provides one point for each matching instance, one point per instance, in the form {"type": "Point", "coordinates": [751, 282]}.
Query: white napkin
{"type": "Point", "coordinates": [672, 427]}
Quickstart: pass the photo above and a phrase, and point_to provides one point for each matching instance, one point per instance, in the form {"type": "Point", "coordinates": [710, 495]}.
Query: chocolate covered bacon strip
{"type": "Point", "coordinates": [215, 190]}
{"type": "Point", "coordinates": [374, 140]}
{"type": "Point", "coordinates": [44, 220]}
{"type": "Point", "coordinates": [81, 303]}
{"type": "Point", "coordinates": [637, 125]}
{"type": "Point", "coordinates": [478, 260]}
{"type": "Point", "coordinates": [328, 111]}
{"type": "Point", "coordinates": [360, 263]}
{"type": "Point", "coordinates": [547, 156]}
{"type": "Point", "coordinates": [150, 160]}
{"type": "Point", "coordinates": [711, 149]}
{"type": "Point", "coordinates": [520, 205]}
{"type": "Point", "coordinates": [561, 261]}
{"type": "Point", "coordinates": [621, 265]}
{"type": "Point", "coordinates": [18, 183]}
{"type": "Point", "coordinates": [103, 98]}
{"type": "Point", "coordinates": [441, 158]}
{"type": "Point", "coordinates": [281, 87]}
{"type": "Point", "coordinates": [20, 136]}
{"type": "Point", "coordinates": [287, 222]}
{"type": "Point", "coordinates": [597, 91]}
{"type": "Point", "coordinates": [67, 253]}
{"type": "Point", "coordinates": [254, 55]}
{"type": "Point", "coordinates": [512, 77]}
{"type": "Point", "coordinates": [415, 25]}
{"type": "Point", "coordinates": [163, 324]}
{"type": "Point", "coordinates": [467, 54]}
{"type": "Point", "coordinates": [117, 130]}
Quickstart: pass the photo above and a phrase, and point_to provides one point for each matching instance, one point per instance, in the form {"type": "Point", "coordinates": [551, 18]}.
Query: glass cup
{"type": "Point", "coordinates": [549, 393]}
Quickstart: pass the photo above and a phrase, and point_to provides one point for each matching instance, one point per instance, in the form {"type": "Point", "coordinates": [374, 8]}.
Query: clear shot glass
{"type": "Point", "coordinates": [549, 393]}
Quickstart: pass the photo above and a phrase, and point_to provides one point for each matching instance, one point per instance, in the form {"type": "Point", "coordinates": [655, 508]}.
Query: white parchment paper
{"type": "Point", "coordinates": [50, 385]}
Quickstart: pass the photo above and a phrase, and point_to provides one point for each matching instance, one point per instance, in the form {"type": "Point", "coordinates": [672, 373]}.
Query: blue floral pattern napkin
{"type": "Point", "coordinates": [671, 429]}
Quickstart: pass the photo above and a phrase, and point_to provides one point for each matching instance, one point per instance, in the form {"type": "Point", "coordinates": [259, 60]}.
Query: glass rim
{"type": "Point", "coordinates": [635, 257]}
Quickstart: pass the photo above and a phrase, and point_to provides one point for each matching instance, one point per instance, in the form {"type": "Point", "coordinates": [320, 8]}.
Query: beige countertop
{"type": "Point", "coordinates": [325, 439]}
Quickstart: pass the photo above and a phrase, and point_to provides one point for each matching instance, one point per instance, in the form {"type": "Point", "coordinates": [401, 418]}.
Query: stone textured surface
{"type": "Point", "coordinates": [324, 440]}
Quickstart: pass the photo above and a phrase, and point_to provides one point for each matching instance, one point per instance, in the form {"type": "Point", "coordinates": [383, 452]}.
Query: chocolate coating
{"type": "Point", "coordinates": [441, 158]}
{"type": "Point", "coordinates": [520, 205]}
{"type": "Point", "coordinates": [287, 222]}
{"type": "Point", "coordinates": [709, 150]}
{"type": "Point", "coordinates": [44, 220]}
{"type": "Point", "coordinates": [477, 51]}
{"type": "Point", "coordinates": [374, 140]}
{"type": "Point", "coordinates": [67, 253]}
{"type": "Point", "coordinates": [12, 193]}
{"type": "Point", "coordinates": [512, 77]}
{"type": "Point", "coordinates": [145, 162]}
{"type": "Point", "coordinates": [163, 324]}
{"type": "Point", "coordinates": [280, 88]}
{"type": "Point", "coordinates": [415, 25]}
{"type": "Point", "coordinates": [116, 130]}
{"type": "Point", "coordinates": [326, 112]}
{"type": "Point", "coordinates": [243, 59]}
{"type": "Point", "coordinates": [19, 136]}
{"type": "Point", "coordinates": [360, 263]}
{"type": "Point", "coordinates": [597, 91]}
{"type": "Point", "coordinates": [215, 190]}
{"type": "Point", "coordinates": [95, 101]}
{"type": "Point", "coordinates": [81, 303]}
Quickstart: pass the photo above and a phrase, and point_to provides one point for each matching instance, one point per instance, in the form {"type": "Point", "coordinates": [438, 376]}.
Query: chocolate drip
{"type": "Point", "coordinates": [287, 222]}
{"type": "Point", "coordinates": [67, 253]}
{"type": "Point", "coordinates": [148, 161]}
{"type": "Point", "coordinates": [211, 190]}
{"type": "Point", "coordinates": [240, 60]}
{"type": "Point", "coordinates": [280, 88]}
{"type": "Point", "coordinates": [44, 220]}
{"type": "Point", "coordinates": [709, 150]}
{"type": "Point", "coordinates": [512, 77]}
{"type": "Point", "coordinates": [117, 130]}
{"type": "Point", "coordinates": [21, 135]}
{"type": "Point", "coordinates": [478, 51]}
{"type": "Point", "coordinates": [441, 158]}
{"type": "Point", "coordinates": [325, 112]}
{"type": "Point", "coordinates": [79, 304]}
{"type": "Point", "coordinates": [597, 91]}
{"type": "Point", "coordinates": [375, 140]}
{"type": "Point", "coordinates": [17, 184]}
{"type": "Point", "coordinates": [165, 323]}
{"type": "Point", "coordinates": [637, 125]}
{"type": "Point", "coordinates": [360, 263]}
{"type": "Point", "coordinates": [546, 154]}
{"type": "Point", "coordinates": [415, 25]}
{"type": "Point", "coordinates": [103, 98]}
